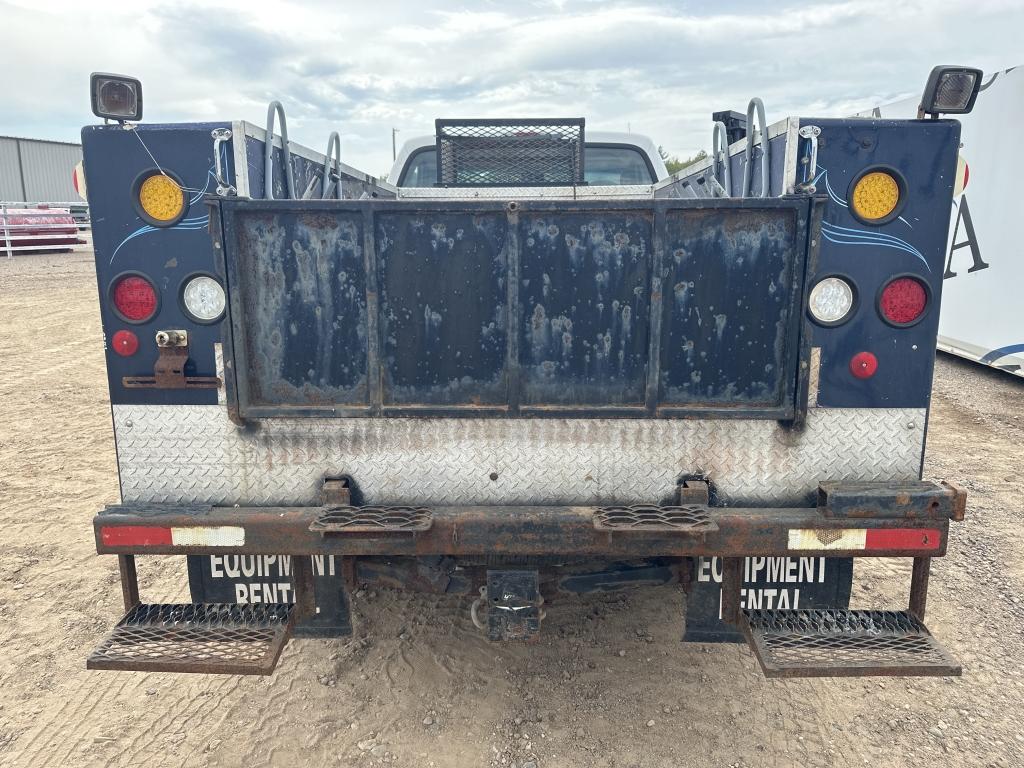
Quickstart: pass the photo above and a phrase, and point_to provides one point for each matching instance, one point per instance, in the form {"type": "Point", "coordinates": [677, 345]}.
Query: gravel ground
{"type": "Point", "coordinates": [608, 685]}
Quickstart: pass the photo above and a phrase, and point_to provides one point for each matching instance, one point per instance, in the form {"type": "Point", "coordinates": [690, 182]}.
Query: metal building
{"type": "Point", "coordinates": [37, 171]}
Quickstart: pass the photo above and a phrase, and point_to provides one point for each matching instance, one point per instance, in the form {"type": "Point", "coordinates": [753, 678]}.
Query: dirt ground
{"type": "Point", "coordinates": [609, 684]}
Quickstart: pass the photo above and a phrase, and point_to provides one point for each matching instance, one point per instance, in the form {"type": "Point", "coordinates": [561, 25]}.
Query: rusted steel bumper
{"type": "Point", "coordinates": [892, 520]}
{"type": "Point", "coordinates": [878, 525]}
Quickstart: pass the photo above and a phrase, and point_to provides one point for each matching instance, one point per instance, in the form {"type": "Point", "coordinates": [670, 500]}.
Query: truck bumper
{"type": "Point", "coordinates": [850, 520]}
{"type": "Point", "coordinates": [514, 531]}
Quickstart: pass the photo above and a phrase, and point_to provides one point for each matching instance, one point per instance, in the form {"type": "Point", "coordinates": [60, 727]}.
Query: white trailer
{"type": "Point", "coordinates": [983, 302]}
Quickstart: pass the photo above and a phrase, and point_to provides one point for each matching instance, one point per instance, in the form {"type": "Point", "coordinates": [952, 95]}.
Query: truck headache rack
{"type": "Point", "coordinates": [510, 153]}
{"type": "Point", "coordinates": [844, 643]}
{"type": "Point", "coordinates": [211, 638]}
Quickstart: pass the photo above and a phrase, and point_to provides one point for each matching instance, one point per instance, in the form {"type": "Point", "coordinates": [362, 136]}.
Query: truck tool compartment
{"type": "Point", "coordinates": [525, 391]}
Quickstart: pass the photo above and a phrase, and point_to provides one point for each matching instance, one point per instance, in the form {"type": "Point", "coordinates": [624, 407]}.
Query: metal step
{"type": "Point", "coordinates": [828, 642]}
{"type": "Point", "coordinates": [218, 638]}
{"type": "Point", "coordinates": [363, 520]}
{"type": "Point", "coordinates": [641, 518]}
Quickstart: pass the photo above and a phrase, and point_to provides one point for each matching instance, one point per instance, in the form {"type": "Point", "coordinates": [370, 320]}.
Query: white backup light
{"type": "Point", "coordinates": [203, 298]}
{"type": "Point", "coordinates": [831, 300]}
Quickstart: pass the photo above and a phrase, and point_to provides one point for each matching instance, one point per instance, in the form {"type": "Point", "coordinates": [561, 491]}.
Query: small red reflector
{"type": "Point", "coordinates": [135, 536]}
{"type": "Point", "coordinates": [903, 538]}
{"type": "Point", "coordinates": [135, 298]}
{"type": "Point", "coordinates": [903, 301]}
{"type": "Point", "coordinates": [125, 343]}
{"type": "Point", "coordinates": [863, 365]}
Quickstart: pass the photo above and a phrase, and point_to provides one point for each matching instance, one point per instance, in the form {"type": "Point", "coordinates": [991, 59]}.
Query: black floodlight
{"type": "Point", "coordinates": [115, 97]}
{"type": "Point", "coordinates": [950, 91]}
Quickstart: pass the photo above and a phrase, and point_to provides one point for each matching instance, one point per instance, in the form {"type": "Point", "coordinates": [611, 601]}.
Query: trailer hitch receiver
{"type": "Point", "coordinates": [513, 605]}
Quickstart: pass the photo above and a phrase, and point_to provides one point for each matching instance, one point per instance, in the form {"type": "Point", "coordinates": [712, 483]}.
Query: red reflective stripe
{"type": "Point", "coordinates": [903, 538]}
{"type": "Point", "coordinates": [135, 536]}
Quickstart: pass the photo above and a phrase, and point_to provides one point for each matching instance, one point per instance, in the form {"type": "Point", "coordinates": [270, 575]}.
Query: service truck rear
{"type": "Point", "coordinates": [520, 374]}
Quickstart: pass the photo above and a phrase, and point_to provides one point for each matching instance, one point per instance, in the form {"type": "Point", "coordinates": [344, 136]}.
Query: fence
{"type": "Point", "coordinates": [38, 227]}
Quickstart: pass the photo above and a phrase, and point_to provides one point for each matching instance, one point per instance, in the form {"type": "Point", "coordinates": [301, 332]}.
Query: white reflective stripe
{"type": "Point", "coordinates": [213, 536]}
{"type": "Point", "coordinates": [828, 538]}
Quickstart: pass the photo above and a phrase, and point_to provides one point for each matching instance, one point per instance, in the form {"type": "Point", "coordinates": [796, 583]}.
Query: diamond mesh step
{"type": "Point", "coordinates": [844, 643]}
{"type": "Point", "coordinates": [648, 518]}
{"type": "Point", "coordinates": [209, 637]}
{"type": "Point", "coordinates": [373, 520]}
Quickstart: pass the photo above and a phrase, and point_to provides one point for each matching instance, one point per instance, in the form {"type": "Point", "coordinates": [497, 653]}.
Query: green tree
{"type": "Point", "coordinates": [674, 164]}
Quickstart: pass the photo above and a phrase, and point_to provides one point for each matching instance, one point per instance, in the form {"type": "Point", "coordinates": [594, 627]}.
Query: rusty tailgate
{"type": "Point", "coordinates": [667, 308]}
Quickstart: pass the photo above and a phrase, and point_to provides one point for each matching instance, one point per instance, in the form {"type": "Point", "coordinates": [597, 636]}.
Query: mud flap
{"type": "Point", "coordinates": [259, 579]}
{"type": "Point", "coordinates": [784, 583]}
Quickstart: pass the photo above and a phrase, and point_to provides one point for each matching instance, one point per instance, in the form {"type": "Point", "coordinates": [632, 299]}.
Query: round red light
{"type": "Point", "coordinates": [135, 298]}
{"type": "Point", "coordinates": [125, 343]}
{"type": "Point", "coordinates": [863, 365]}
{"type": "Point", "coordinates": [903, 301]}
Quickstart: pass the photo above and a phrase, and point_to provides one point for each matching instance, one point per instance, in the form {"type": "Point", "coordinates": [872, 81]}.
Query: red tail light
{"type": "Point", "coordinates": [903, 301]}
{"type": "Point", "coordinates": [134, 298]}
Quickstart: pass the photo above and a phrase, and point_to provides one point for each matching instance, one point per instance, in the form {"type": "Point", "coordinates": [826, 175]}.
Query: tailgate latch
{"type": "Point", "coordinates": [169, 370]}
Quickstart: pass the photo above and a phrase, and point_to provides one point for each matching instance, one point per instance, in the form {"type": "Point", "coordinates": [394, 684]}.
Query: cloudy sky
{"type": "Point", "coordinates": [362, 68]}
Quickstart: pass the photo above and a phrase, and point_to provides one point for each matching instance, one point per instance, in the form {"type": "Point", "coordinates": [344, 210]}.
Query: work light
{"type": "Point", "coordinates": [950, 91]}
{"type": "Point", "coordinates": [115, 97]}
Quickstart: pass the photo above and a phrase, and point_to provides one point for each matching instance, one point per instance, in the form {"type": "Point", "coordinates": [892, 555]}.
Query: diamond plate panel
{"type": "Point", "coordinates": [194, 454]}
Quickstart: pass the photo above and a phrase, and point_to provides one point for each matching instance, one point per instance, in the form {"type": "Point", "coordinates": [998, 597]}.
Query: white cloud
{"type": "Point", "coordinates": [361, 69]}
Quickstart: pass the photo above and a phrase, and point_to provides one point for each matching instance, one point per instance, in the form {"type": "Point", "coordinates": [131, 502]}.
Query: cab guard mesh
{"type": "Point", "coordinates": [510, 153]}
